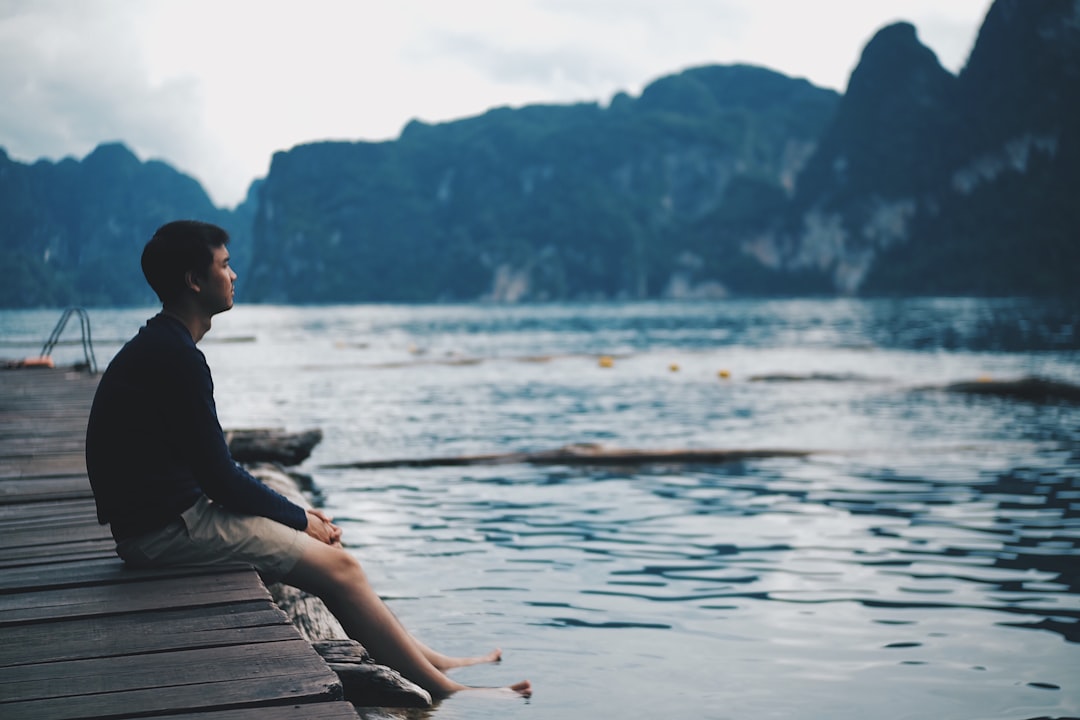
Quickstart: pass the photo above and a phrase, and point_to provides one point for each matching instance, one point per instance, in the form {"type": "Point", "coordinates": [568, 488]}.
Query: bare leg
{"type": "Point", "coordinates": [337, 578]}
{"type": "Point", "coordinates": [447, 662]}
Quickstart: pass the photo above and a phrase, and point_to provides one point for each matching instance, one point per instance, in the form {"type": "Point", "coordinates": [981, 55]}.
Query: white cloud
{"type": "Point", "coordinates": [215, 87]}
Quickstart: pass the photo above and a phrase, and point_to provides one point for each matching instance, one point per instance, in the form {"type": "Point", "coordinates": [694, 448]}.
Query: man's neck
{"type": "Point", "coordinates": [196, 322]}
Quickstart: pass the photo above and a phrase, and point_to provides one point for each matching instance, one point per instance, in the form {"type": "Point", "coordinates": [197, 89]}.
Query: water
{"type": "Point", "coordinates": [922, 562]}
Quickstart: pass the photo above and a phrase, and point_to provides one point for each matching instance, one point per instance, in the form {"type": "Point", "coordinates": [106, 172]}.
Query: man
{"type": "Point", "coordinates": [164, 480]}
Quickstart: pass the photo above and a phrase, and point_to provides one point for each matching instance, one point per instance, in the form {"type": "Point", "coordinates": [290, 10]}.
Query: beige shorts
{"type": "Point", "coordinates": [208, 534]}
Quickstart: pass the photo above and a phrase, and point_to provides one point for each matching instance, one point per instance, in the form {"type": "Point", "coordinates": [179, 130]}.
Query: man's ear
{"type": "Point", "coordinates": [192, 281]}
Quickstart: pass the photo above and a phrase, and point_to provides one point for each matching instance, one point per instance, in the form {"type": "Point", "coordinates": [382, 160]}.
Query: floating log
{"type": "Point", "coordinates": [366, 682]}
{"type": "Point", "coordinates": [272, 445]}
{"type": "Point", "coordinates": [1030, 389]}
{"type": "Point", "coordinates": [582, 454]}
{"type": "Point", "coordinates": [811, 377]}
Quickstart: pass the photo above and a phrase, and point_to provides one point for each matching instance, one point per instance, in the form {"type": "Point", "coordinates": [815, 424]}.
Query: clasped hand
{"type": "Point", "coordinates": [321, 528]}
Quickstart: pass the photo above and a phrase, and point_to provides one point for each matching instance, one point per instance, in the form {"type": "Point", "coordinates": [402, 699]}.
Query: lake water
{"type": "Point", "coordinates": [923, 561]}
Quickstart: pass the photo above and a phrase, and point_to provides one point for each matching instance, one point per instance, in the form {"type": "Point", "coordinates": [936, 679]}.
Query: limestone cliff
{"type": "Point", "coordinates": [536, 203]}
{"type": "Point", "coordinates": [927, 183]}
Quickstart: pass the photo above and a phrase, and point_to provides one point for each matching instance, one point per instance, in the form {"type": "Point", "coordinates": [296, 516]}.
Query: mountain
{"type": "Point", "coordinates": [538, 203]}
{"type": "Point", "coordinates": [716, 181]}
{"type": "Point", "coordinates": [1005, 219]}
{"type": "Point", "coordinates": [925, 183]}
{"type": "Point", "coordinates": [72, 232]}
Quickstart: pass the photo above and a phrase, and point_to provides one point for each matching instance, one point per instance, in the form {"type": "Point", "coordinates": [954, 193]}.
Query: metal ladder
{"type": "Point", "coordinates": [87, 343]}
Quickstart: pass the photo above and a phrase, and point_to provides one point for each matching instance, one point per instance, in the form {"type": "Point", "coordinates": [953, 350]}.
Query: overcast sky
{"type": "Point", "coordinates": [215, 87]}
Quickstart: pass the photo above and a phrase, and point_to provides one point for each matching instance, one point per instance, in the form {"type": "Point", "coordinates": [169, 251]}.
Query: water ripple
{"type": "Point", "coordinates": [923, 561]}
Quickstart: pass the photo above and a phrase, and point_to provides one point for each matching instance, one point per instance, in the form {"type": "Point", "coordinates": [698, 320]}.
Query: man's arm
{"type": "Point", "coordinates": [218, 474]}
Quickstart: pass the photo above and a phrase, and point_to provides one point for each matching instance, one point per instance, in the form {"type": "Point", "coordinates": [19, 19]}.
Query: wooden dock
{"type": "Point", "coordinates": [83, 637]}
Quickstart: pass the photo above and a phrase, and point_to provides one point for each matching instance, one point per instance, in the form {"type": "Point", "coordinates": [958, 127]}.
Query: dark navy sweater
{"type": "Point", "coordinates": [154, 444]}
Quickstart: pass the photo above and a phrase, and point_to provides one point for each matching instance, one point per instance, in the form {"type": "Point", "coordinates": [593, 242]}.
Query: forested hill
{"type": "Point", "coordinates": [71, 233]}
{"type": "Point", "coordinates": [543, 202]}
{"type": "Point", "coordinates": [926, 183]}
{"type": "Point", "coordinates": [715, 181]}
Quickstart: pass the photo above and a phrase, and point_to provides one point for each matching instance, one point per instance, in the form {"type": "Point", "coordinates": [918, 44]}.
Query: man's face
{"type": "Point", "coordinates": [216, 292]}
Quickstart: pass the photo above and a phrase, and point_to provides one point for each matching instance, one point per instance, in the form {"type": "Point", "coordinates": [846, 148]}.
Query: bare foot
{"type": "Point", "coordinates": [445, 662]}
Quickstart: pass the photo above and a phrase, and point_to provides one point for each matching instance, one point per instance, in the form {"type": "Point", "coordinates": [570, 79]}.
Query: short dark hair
{"type": "Point", "coordinates": [177, 248]}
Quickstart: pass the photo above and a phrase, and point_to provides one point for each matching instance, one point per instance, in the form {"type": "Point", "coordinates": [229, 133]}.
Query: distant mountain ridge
{"type": "Point", "coordinates": [716, 181]}
{"type": "Point", "coordinates": [72, 232]}
{"type": "Point", "coordinates": [541, 203]}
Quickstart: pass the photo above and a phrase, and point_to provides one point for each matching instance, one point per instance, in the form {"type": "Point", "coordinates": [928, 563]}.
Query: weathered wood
{"type": "Point", "coordinates": [584, 454]}
{"type": "Point", "coordinates": [41, 555]}
{"type": "Point", "coordinates": [272, 445]}
{"type": "Point", "coordinates": [58, 464]}
{"type": "Point", "coordinates": [307, 612]}
{"type": "Point", "coordinates": [34, 512]}
{"type": "Point", "coordinates": [365, 681]}
{"type": "Point", "coordinates": [164, 683]}
{"type": "Point", "coordinates": [173, 629]}
{"type": "Point", "coordinates": [31, 445]}
{"type": "Point", "coordinates": [60, 533]}
{"type": "Point", "coordinates": [101, 571]}
{"type": "Point", "coordinates": [42, 489]}
{"type": "Point", "coordinates": [156, 594]}
{"type": "Point", "coordinates": [320, 711]}
{"type": "Point", "coordinates": [181, 667]}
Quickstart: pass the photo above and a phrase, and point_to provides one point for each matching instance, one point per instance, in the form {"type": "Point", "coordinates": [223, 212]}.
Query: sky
{"type": "Point", "coordinates": [216, 87]}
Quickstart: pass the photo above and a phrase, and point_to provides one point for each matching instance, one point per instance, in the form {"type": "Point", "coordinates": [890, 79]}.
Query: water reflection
{"type": "Point", "coordinates": [788, 532]}
{"type": "Point", "coordinates": [783, 563]}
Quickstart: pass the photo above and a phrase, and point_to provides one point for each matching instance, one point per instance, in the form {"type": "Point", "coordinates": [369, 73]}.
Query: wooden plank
{"type": "Point", "coordinates": [44, 423]}
{"type": "Point", "coordinates": [36, 444]}
{"type": "Point", "coordinates": [55, 575]}
{"type": "Point", "coordinates": [45, 489]}
{"type": "Point", "coordinates": [110, 570]}
{"type": "Point", "coordinates": [166, 701]}
{"type": "Point", "coordinates": [32, 512]}
{"type": "Point", "coordinates": [37, 407]}
{"type": "Point", "coordinates": [100, 551]}
{"type": "Point", "coordinates": [15, 431]}
{"type": "Point", "coordinates": [320, 711]}
{"type": "Point", "coordinates": [206, 678]}
{"type": "Point", "coordinates": [140, 633]}
{"type": "Point", "coordinates": [43, 465]}
{"type": "Point", "coordinates": [57, 533]}
{"type": "Point", "coordinates": [37, 410]}
{"type": "Point", "coordinates": [159, 670]}
{"type": "Point", "coordinates": [102, 547]}
{"type": "Point", "coordinates": [197, 591]}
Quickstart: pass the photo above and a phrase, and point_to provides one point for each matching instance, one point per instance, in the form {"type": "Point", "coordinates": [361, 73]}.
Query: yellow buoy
{"type": "Point", "coordinates": [724, 374]}
{"type": "Point", "coordinates": [673, 367]}
{"type": "Point", "coordinates": [606, 361]}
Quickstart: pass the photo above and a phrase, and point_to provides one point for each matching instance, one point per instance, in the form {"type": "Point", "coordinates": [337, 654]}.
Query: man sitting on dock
{"type": "Point", "coordinates": [166, 484]}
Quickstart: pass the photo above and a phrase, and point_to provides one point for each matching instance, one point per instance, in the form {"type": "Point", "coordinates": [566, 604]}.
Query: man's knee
{"type": "Point", "coordinates": [346, 568]}
{"type": "Point", "coordinates": [327, 571]}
